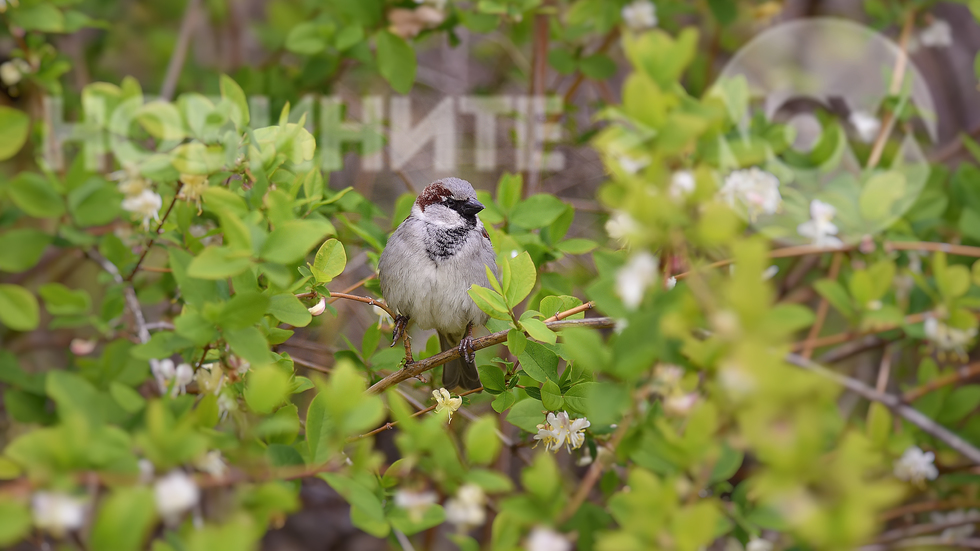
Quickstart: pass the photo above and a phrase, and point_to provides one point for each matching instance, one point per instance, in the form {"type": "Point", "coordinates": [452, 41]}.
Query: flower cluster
{"type": "Point", "coordinates": [632, 280]}
{"type": "Point", "coordinates": [175, 494]}
{"type": "Point", "coordinates": [140, 198]}
{"type": "Point", "coordinates": [466, 509]}
{"type": "Point", "coordinates": [916, 466]}
{"type": "Point", "coordinates": [948, 339]}
{"type": "Point", "coordinates": [415, 503]}
{"type": "Point", "coordinates": [546, 539]}
{"type": "Point", "coordinates": [819, 229]}
{"type": "Point", "coordinates": [57, 513]}
{"type": "Point", "coordinates": [560, 430]}
{"type": "Point", "coordinates": [754, 189]}
{"type": "Point", "coordinates": [640, 15]}
{"type": "Point", "coordinates": [13, 71]}
{"type": "Point", "coordinates": [667, 383]}
{"type": "Point", "coordinates": [192, 188]}
{"type": "Point", "coordinates": [166, 373]}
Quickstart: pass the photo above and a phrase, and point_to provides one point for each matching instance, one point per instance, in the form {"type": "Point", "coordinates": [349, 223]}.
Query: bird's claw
{"type": "Point", "coordinates": [466, 350]}
{"type": "Point", "coordinates": [401, 322]}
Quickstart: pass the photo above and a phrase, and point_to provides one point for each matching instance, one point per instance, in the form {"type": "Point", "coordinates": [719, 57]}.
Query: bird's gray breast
{"type": "Point", "coordinates": [442, 243]}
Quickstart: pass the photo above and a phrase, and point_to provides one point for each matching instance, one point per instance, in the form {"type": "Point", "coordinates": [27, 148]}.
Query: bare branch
{"type": "Point", "coordinates": [961, 374]}
{"type": "Point", "coordinates": [179, 54]}
{"type": "Point", "coordinates": [153, 239]}
{"type": "Point", "coordinates": [129, 294]}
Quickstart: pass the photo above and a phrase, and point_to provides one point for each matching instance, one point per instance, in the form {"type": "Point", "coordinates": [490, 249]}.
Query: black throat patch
{"type": "Point", "coordinates": [442, 243]}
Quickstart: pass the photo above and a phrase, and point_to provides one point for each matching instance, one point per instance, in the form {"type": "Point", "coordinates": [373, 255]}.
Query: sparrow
{"type": "Point", "coordinates": [429, 264]}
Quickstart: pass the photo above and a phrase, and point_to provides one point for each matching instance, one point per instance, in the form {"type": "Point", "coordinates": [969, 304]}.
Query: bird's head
{"type": "Point", "coordinates": [449, 202]}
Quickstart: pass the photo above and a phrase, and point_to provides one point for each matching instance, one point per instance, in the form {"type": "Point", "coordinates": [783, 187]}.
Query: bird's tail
{"type": "Point", "coordinates": [457, 372]}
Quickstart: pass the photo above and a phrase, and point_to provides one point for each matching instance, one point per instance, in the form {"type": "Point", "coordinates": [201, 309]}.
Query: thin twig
{"type": "Point", "coordinates": [568, 313]}
{"type": "Point", "coordinates": [928, 506]}
{"type": "Point", "coordinates": [353, 287]}
{"type": "Point", "coordinates": [365, 300]}
{"type": "Point", "coordinates": [310, 365]}
{"type": "Point", "coordinates": [898, 76]}
{"type": "Point", "coordinates": [851, 335]}
{"type": "Point", "coordinates": [153, 239]}
{"type": "Point", "coordinates": [594, 473]}
{"type": "Point", "coordinates": [893, 403]}
{"type": "Point", "coordinates": [961, 374]}
{"type": "Point", "coordinates": [132, 302]}
{"type": "Point", "coordinates": [921, 529]}
{"type": "Point", "coordinates": [179, 54]}
{"type": "Point", "coordinates": [415, 369]}
{"type": "Point", "coordinates": [391, 425]}
{"type": "Point", "coordinates": [822, 308]}
{"type": "Point", "coordinates": [930, 542]}
{"type": "Point", "coordinates": [539, 72]}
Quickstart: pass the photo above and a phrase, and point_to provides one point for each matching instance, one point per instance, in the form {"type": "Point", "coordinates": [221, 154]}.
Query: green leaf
{"type": "Point", "coordinates": [35, 195]}
{"type": "Point", "coordinates": [21, 248]}
{"type": "Point", "coordinates": [330, 261]}
{"type": "Point", "coordinates": [482, 443]}
{"type": "Point", "coordinates": [237, 236]}
{"type": "Point", "coordinates": [250, 344]}
{"type": "Point", "coordinates": [539, 331]}
{"type": "Point", "coordinates": [526, 414]}
{"type": "Point", "coordinates": [879, 193]}
{"type": "Point", "coordinates": [42, 17]}
{"type": "Point", "coordinates": [492, 378]}
{"type": "Point", "coordinates": [292, 240]}
{"type": "Point", "coordinates": [836, 295]}
{"type": "Point", "coordinates": [562, 61]}
{"type": "Point", "coordinates": [266, 388]}
{"type": "Point", "coordinates": [306, 38]}
{"type": "Point", "coordinates": [516, 342]}
{"type": "Point", "coordinates": [18, 308]}
{"type": "Point", "coordinates": [959, 404]}
{"type": "Point", "coordinates": [577, 397]}
{"type": "Point", "coordinates": [537, 211]}
{"type": "Point", "coordinates": [126, 397]}
{"type": "Point", "coordinates": [124, 519]}
{"type": "Point", "coordinates": [219, 200]}
{"type": "Point", "coordinates": [218, 263]}
{"type": "Point", "coordinates": [727, 465]}
{"type": "Point", "coordinates": [14, 126]}
{"type": "Point", "coordinates": [598, 67]}
{"type": "Point", "coordinates": [725, 11]}
{"type": "Point", "coordinates": [577, 246]}
{"type": "Point", "coordinates": [15, 522]}
{"type": "Point", "coordinates": [160, 345]}
{"type": "Point", "coordinates": [231, 91]}
{"type": "Point", "coordinates": [62, 301]}
{"type": "Point", "coordinates": [356, 494]}
{"type": "Point", "coordinates": [288, 309]}
{"type": "Point", "coordinates": [539, 363]}
{"type": "Point", "coordinates": [879, 424]}
{"type": "Point", "coordinates": [396, 61]}
{"type": "Point", "coordinates": [551, 396]}
{"type": "Point", "coordinates": [509, 191]}
{"type": "Point", "coordinates": [490, 302]}
{"type": "Point", "coordinates": [243, 310]}
{"type": "Point", "coordinates": [523, 276]}
{"type": "Point", "coordinates": [503, 401]}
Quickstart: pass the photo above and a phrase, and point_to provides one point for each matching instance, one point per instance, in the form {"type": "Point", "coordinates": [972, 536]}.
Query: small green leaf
{"type": "Point", "coordinates": [396, 61]}
{"type": "Point", "coordinates": [836, 295]}
{"type": "Point", "coordinates": [503, 401]}
{"type": "Point", "coordinates": [523, 276]}
{"type": "Point", "coordinates": [492, 378]}
{"type": "Point", "coordinates": [62, 301]}
{"type": "Point", "coordinates": [516, 342]}
{"type": "Point", "coordinates": [126, 397]}
{"type": "Point", "coordinates": [490, 302]}
{"type": "Point", "coordinates": [250, 344]}
{"type": "Point", "coordinates": [288, 309]}
{"type": "Point", "coordinates": [124, 519]}
{"type": "Point", "coordinates": [539, 363]}
{"type": "Point", "coordinates": [577, 246]}
{"type": "Point", "coordinates": [35, 195]}
{"type": "Point", "coordinates": [330, 261]}
{"type": "Point", "coordinates": [218, 263]}
{"type": "Point", "coordinates": [15, 522]}
{"type": "Point", "coordinates": [577, 397]}
{"type": "Point", "coordinates": [551, 396]}
{"type": "Point", "coordinates": [224, 201]}
{"type": "Point", "coordinates": [14, 127]}
{"type": "Point", "coordinates": [482, 443]}
{"type": "Point", "coordinates": [243, 310]}
{"type": "Point", "coordinates": [266, 388]}
{"type": "Point", "coordinates": [526, 414]}
{"type": "Point", "coordinates": [292, 240]}
{"type": "Point", "coordinates": [231, 91]}
{"type": "Point", "coordinates": [539, 331]}
{"type": "Point", "coordinates": [306, 39]}
{"type": "Point", "coordinates": [18, 308]}
{"type": "Point", "coordinates": [537, 211]}
{"type": "Point", "coordinates": [598, 67]}
{"type": "Point", "coordinates": [21, 248]}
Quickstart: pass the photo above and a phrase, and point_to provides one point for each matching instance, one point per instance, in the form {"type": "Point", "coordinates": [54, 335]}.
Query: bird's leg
{"type": "Point", "coordinates": [401, 324]}
{"type": "Point", "coordinates": [466, 345]}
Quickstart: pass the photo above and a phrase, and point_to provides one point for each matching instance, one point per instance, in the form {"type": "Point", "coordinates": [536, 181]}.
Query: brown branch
{"type": "Point", "coordinates": [153, 239]}
{"type": "Point", "coordinates": [391, 425]}
{"type": "Point", "coordinates": [310, 365]}
{"type": "Point", "coordinates": [179, 53]}
{"type": "Point", "coordinates": [822, 309]}
{"type": "Point", "coordinates": [963, 373]}
{"type": "Point", "coordinates": [415, 369]}
{"type": "Point", "coordinates": [607, 41]}
{"type": "Point", "coordinates": [353, 287]}
{"type": "Point", "coordinates": [898, 75]}
{"type": "Point", "coordinates": [852, 335]}
{"type": "Point", "coordinates": [365, 300]}
{"type": "Point", "coordinates": [928, 506]}
{"type": "Point", "coordinates": [568, 313]}
{"type": "Point", "coordinates": [919, 530]}
{"type": "Point", "coordinates": [893, 403]}
{"type": "Point", "coordinates": [129, 294]}
{"type": "Point", "coordinates": [536, 89]}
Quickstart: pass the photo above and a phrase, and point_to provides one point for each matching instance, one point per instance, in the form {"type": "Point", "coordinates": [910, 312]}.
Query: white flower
{"type": "Point", "coordinates": [948, 339]}
{"type": "Point", "coordinates": [916, 466]}
{"type": "Point", "coordinates": [210, 378]}
{"type": "Point", "coordinates": [671, 282]}
{"type": "Point", "coordinates": [211, 463]}
{"type": "Point", "coordinates": [770, 272]}
{"type": "Point", "coordinates": [679, 405]}
{"type": "Point", "coordinates": [383, 317]}
{"type": "Point", "coordinates": [622, 227]}
{"type": "Point", "coordinates": [183, 376]}
{"type": "Point", "coordinates": [466, 509]}
{"type": "Point", "coordinates": [163, 371]}
{"type": "Point", "coordinates": [632, 165]}
{"type": "Point", "coordinates": [415, 503]}
{"type": "Point", "coordinates": [666, 378]}
{"type": "Point", "coordinates": [754, 189]}
{"type": "Point", "coordinates": [131, 181]}
{"type": "Point", "coordinates": [82, 347]}
{"type": "Point", "coordinates": [634, 277]}
{"type": "Point", "coordinates": [175, 494]}
{"type": "Point", "coordinates": [57, 513]}
{"type": "Point", "coordinates": [445, 402]}
{"type": "Point", "coordinates": [319, 307]}
{"type": "Point", "coordinates": [865, 124]}
{"type": "Point", "coordinates": [546, 539]}
{"type": "Point", "coordinates": [681, 184]}
{"type": "Point", "coordinates": [640, 15]}
{"type": "Point", "coordinates": [561, 430]}
{"type": "Point", "coordinates": [147, 204]}
{"type": "Point", "coordinates": [11, 72]}
{"type": "Point", "coordinates": [819, 229]}
{"type": "Point", "coordinates": [937, 35]}
{"type": "Point", "coordinates": [193, 188]}
{"type": "Point", "coordinates": [621, 325]}
{"type": "Point", "coordinates": [956, 533]}
{"type": "Point", "coordinates": [757, 544]}
{"type": "Point", "coordinates": [736, 381]}
{"type": "Point", "coordinates": [226, 403]}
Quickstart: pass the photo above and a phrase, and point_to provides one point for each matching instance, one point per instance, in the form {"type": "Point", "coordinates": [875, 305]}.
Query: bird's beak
{"type": "Point", "coordinates": [471, 206]}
